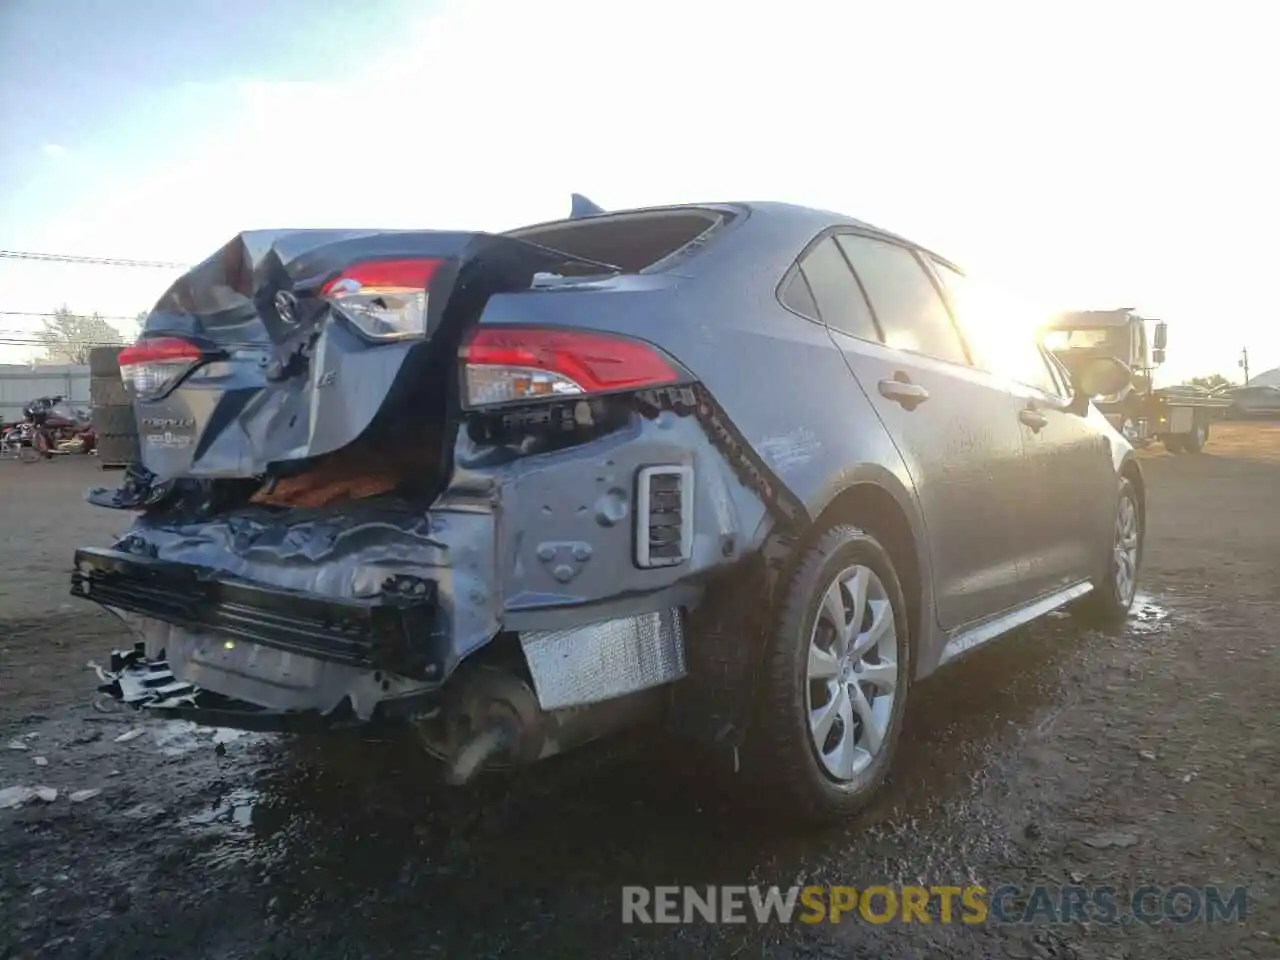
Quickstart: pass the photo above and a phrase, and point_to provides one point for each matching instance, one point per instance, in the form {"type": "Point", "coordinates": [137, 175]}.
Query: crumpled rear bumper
{"type": "Point", "coordinates": [370, 607]}
{"type": "Point", "coordinates": [397, 631]}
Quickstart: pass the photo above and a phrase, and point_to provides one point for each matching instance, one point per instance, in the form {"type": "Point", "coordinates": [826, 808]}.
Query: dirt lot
{"type": "Point", "coordinates": [1053, 756]}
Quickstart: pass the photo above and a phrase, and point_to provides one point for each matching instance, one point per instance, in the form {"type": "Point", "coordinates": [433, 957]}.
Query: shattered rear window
{"type": "Point", "coordinates": [633, 242]}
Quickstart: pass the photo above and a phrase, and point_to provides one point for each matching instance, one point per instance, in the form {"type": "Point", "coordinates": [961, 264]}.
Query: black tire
{"type": "Point", "coordinates": [104, 362]}
{"type": "Point", "coordinates": [114, 420]}
{"type": "Point", "coordinates": [117, 448]}
{"type": "Point", "coordinates": [1108, 604]}
{"type": "Point", "coordinates": [780, 753]}
{"type": "Point", "coordinates": [108, 392]}
{"type": "Point", "coordinates": [1172, 442]}
{"type": "Point", "coordinates": [1194, 441]}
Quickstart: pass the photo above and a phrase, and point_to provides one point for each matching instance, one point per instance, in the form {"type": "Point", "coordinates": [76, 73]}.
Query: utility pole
{"type": "Point", "coordinates": [1244, 362]}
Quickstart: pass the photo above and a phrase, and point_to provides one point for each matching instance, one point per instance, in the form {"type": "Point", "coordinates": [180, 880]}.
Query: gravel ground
{"type": "Point", "coordinates": [1056, 755]}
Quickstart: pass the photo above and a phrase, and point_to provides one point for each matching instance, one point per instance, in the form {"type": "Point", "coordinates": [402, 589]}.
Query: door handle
{"type": "Point", "coordinates": [1033, 419]}
{"type": "Point", "coordinates": [902, 391]}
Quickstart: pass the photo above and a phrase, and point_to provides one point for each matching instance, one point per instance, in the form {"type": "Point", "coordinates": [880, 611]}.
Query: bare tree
{"type": "Point", "coordinates": [68, 337]}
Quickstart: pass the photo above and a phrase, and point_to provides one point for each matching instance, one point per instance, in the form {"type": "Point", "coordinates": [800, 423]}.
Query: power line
{"type": "Point", "coordinates": [103, 261]}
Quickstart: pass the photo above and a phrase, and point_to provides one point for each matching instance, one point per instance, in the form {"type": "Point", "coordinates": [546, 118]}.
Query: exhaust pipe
{"type": "Point", "coordinates": [495, 721]}
{"type": "Point", "coordinates": [483, 748]}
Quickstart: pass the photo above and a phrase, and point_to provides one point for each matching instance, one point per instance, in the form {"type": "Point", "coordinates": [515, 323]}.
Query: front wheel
{"type": "Point", "coordinates": [836, 675]}
{"type": "Point", "coordinates": [1112, 597]}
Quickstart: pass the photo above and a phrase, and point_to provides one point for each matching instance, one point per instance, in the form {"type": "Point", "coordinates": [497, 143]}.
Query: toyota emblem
{"type": "Point", "coordinates": [287, 306]}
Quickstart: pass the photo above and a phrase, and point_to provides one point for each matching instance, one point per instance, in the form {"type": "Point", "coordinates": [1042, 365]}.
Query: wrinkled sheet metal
{"type": "Point", "coordinates": [522, 544]}
{"type": "Point", "coordinates": [296, 380]}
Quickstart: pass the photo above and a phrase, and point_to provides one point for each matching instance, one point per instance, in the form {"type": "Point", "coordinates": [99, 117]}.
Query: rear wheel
{"type": "Point", "coordinates": [836, 676]}
{"type": "Point", "coordinates": [1112, 597]}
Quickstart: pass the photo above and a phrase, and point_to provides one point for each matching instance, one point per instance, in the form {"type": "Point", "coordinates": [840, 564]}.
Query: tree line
{"type": "Point", "coordinates": [68, 337]}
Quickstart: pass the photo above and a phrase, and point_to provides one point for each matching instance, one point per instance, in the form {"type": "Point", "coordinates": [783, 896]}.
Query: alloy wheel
{"type": "Point", "coordinates": [1126, 548]}
{"type": "Point", "coordinates": [852, 673]}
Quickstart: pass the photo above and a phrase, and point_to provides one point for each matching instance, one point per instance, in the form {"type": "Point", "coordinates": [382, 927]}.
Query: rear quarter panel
{"type": "Point", "coordinates": [778, 376]}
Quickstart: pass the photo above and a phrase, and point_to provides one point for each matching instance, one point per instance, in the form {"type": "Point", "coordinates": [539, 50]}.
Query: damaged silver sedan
{"type": "Point", "coordinates": [744, 469]}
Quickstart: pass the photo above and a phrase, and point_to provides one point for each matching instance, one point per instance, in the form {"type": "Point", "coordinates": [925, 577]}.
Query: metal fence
{"type": "Point", "coordinates": [20, 384]}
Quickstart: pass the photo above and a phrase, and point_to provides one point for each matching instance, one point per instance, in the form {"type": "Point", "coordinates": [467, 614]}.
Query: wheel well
{"type": "Point", "coordinates": [875, 510]}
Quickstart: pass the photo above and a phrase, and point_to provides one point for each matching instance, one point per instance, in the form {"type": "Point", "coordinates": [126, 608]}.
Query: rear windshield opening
{"type": "Point", "coordinates": [630, 241]}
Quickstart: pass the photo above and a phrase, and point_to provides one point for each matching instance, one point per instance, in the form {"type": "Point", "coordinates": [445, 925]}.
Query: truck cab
{"type": "Point", "coordinates": [1142, 413]}
{"type": "Point", "coordinates": [1082, 335]}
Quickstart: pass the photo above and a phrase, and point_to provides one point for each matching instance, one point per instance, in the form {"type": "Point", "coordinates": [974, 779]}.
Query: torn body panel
{"type": "Point", "coordinates": [376, 600]}
{"type": "Point", "coordinates": [286, 373]}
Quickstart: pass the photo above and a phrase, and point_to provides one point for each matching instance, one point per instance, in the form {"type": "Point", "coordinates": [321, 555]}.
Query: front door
{"type": "Point", "coordinates": [1069, 488]}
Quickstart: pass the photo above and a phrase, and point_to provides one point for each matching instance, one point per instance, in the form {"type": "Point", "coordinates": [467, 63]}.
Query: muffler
{"type": "Point", "coordinates": [494, 722]}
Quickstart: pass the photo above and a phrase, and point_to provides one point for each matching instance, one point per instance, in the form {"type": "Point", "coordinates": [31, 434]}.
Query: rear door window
{"type": "Point", "coordinates": [835, 293]}
{"type": "Point", "coordinates": [911, 314]}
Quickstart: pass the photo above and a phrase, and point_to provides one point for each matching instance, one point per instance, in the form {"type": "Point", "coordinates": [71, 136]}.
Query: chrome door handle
{"type": "Point", "coordinates": [909, 395]}
{"type": "Point", "coordinates": [1033, 419]}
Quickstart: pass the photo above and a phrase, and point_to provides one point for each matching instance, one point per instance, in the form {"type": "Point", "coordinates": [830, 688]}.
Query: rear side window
{"type": "Point", "coordinates": [911, 313]}
{"type": "Point", "coordinates": [797, 296]}
{"type": "Point", "coordinates": [835, 293]}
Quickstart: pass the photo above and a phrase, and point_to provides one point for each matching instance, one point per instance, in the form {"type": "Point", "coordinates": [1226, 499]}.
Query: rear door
{"type": "Point", "coordinates": [1066, 517]}
{"type": "Point", "coordinates": [955, 428]}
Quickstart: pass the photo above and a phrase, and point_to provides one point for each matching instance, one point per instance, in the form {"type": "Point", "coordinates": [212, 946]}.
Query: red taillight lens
{"type": "Point", "coordinates": [150, 367]}
{"type": "Point", "coordinates": [522, 363]}
{"type": "Point", "coordinates": [386, 299]}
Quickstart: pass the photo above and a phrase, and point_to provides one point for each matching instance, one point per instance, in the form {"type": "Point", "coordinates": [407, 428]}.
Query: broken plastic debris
{"type": "Point", "coordinates": [13, 797]}
{"type": "Point", "coordinates": [82, 795]}
{"type": "Point", "coordinates": [128, 735]}
{"type": "Point", "coordinates": [47, 794]}
{"type": "Point", "coordinates": [18, 745]}
{"type": "Point", "coordinates": [40, 761]}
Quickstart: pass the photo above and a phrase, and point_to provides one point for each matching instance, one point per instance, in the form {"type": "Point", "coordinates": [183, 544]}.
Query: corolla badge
{"type": "Point", "coordinates": [287, 307]}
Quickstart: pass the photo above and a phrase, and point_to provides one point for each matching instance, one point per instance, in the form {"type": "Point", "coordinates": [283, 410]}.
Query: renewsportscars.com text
{"type": "Point", "coordinates": [970, 904]}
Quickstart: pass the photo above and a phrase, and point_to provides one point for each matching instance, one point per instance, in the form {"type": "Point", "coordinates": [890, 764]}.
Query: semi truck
{"type": "Point", "coordinates": [1177, 417]}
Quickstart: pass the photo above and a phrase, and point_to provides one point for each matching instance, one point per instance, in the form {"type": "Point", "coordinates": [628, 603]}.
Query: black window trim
{"type": "Point", "coordinates": [795, 272]}
{"type": "Point", "coordinates": [825, 234]}
{"type": "Point", "coordinates": [921, 257]}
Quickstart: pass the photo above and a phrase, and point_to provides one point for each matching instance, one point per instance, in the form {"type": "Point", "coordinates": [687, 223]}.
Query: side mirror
{"type": "Point", "coordinates": [1161, 338]}
{"type": "Point", "coordinates": [1101, 377]}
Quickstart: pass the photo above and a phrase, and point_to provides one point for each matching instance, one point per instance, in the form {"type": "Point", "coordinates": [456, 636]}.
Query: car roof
{"type": "Point", "coordinates": [789, 218]}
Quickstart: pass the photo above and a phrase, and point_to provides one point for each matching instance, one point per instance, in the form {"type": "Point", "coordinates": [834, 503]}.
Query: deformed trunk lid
{"type": "Point", "coordinates": [291, 380]}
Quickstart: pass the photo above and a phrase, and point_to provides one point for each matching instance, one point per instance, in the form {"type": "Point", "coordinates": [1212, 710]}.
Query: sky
{"type": "Point", "coordinates": [1083, 155]}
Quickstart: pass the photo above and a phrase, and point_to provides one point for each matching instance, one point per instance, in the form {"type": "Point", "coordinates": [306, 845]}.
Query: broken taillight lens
{"type": "Point", "coordinates": [152, 367]}
{"type": "Point", "coordinates": [385, 299]}
{"type": "Point", "coordinates": [508, 364]}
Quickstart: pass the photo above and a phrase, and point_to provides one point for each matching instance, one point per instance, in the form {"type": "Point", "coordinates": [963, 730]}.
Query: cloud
{"type": "Point", "coordinates": [53, 150]}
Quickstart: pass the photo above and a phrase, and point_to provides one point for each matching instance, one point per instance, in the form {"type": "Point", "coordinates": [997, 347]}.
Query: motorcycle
{"type": "Point", "coordinates": [50, 426]}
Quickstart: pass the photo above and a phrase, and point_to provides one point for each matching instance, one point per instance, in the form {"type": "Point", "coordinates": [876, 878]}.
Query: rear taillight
{"type": "Point", "coordinates": [502, 365]}
{"type": "Point", "coordinates": [385, 299]}
{"type": "Point", "coordinates": [151, 367]}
